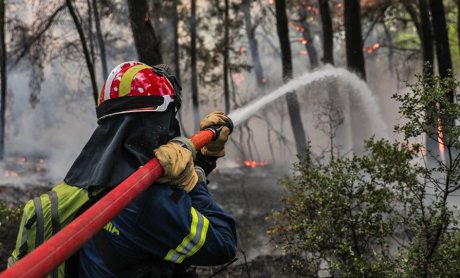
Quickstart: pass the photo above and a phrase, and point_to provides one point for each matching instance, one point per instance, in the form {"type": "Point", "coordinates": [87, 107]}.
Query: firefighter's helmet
{"type": "Point", "coordinates": [136, 87]}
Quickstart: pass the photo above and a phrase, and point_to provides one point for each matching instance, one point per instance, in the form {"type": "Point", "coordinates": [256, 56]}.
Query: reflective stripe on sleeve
{"type": "Point", "coordinates": [193, 241]}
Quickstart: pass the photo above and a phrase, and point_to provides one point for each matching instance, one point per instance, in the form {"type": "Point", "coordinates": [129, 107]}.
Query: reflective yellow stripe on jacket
{"type": "Point", "coordinates": [193, 241]}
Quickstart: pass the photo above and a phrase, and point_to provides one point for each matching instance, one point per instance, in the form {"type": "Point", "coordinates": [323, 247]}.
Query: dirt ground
{"type": "Point", "coordinates": [248, 194]}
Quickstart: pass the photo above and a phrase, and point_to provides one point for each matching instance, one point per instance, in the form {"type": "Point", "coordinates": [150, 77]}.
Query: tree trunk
{"type": "Point", "coordinates": [90, 30]}
{"type": "Point", "coordinates": [196, 111]}
{"type": "Point", "coordinates": [353, 37]}
{"type": "Point", "coordinates": [426, 37]}
{"type": "Point", "coordinates": [291, 98]}
{"type": "Point", "coordinates": [2, 79]}
{"type": "Point", "coordinates": [226, 65]}
{"type": "Point", "coordinates": [458, 23]}
{"type": "Point", "coordinates": [441, 39]}
{"type": "Point", "coordinates": [84, 46]}
{"type": "Point", "coordinates": [100, 40]}
{"type": "Point", "coordinates": [253, 45]}
{"type": "Point", "coordinates": [360, 125]}
{"type": "Point", "coordinates": [176, 39]}
{"type": "Point", "coordinates": [328, 32]}
{"type": "Point", "coordinates": [307, 38]}
{"type": "Point", "coordinates": [145, 39]}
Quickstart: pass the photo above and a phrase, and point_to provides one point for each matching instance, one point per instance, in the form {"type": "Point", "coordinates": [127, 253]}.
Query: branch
{"type": "Point", "coordinates": [38, 35]}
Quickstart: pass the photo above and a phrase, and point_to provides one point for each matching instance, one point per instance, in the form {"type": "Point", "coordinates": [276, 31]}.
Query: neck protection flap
{"type": "Point", "coordinates": [119, 146]}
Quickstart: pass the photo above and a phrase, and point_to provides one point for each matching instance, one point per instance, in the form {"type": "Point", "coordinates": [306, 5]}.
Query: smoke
{"type": "Point", "coordinates": [57, 128]}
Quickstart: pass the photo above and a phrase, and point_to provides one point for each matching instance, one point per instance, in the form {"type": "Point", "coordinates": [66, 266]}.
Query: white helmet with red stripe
{"type": "Point", "coordinates": [136, 87]}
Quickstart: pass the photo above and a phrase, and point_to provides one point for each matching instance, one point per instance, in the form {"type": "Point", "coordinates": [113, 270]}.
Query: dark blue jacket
{"type": "Point", "coordinates": [174, 226]}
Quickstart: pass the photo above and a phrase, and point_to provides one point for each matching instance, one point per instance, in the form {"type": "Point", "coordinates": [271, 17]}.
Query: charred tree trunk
{"type": "Point", "coordinates": [458, 22]}
{"type": "Point", "coordinates": [353, 37]}
{"type": "Point", "coordinates": [2, 79]}
{"type": "Point", "coordinates": [253, 45]}
{"type": "Point", "coordinates": [196, 112]}
{"type": "Point", "coordinates": [100, 39]}
{"type": "Point", "coordinates": [291, 98]}
{"type": "Point", "coordinates": [441, 39]}
{"type": "Point", "coordinates": [84, 46]}
{"type": "Point", "coordinates": [145, 39]}
{"type": "Point", "coordinates": [176, 39]}
{"type": "Point", "coordinates": [426, 38]}
{"type": "Point", "coordinates": [328, 32]}
{"type": "Point", "coordinates": [177, 57]}
{"type": "Point", "coordinates": [307, 38]}
{"type": "Point", "coordinates": [225, 53]}
{"type": "Point", "coordinates": [90, 30]}
{"type": "Point", "coordinates": [360, 126]}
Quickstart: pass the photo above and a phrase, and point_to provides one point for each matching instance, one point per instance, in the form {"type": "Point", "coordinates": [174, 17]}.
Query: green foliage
{"type": "Point", "coordinates": [385, 213]}
{"type": "Point", "coordinates": [9, 224]}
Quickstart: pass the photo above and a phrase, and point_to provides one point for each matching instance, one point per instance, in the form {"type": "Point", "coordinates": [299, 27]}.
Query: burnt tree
{"type": "Point", "coordinates": [193, 66]}
{"type": "Point", "coordinates": [441, 39]}
{"type": "Point", "coordinates": [253, 44]}
{"type": "Point", "coordinates": [2, 79]}
{"type": "Point", "coordinates": [84, 46]}
{"type": "Point", "coordinates": [100, 39]}
{"type": "Point", "coordinates": [426, 37]}
{"type": "Point", "coordinates": [145, 39]}
{"type": "Point", "coordinates": [176, 39]}
{"type": "Point", "coordinates": [307, 37]}
{"type": "Point", "coordinates": [291, 98]}
{"type": "Point", "coordinates": [225, 54]}
{"type": "Point", "coordinates": [353, 37]}
{"type": "Point", "coordinates": [328, 32]}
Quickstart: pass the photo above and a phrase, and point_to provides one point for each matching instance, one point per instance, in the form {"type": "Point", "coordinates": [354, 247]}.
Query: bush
{"type": "Point", "coordinates": [386, 213]}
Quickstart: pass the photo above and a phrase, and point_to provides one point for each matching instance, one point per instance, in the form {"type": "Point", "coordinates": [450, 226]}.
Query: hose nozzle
{"type": "Point", "coordinates": [218, 128]}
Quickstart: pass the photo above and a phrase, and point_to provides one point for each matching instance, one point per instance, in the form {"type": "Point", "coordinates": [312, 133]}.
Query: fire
{"type": "Point", "coordinates": [10, 173]}
{"type": "Point", "coordinates": [242, 50]}
{"type": "Point", "coordinates": [440, 138]}
{"type": "Point", "coordinates": [373, 48]}
{"type": "Point", "coordinates": [238, 78]}
{"type": "Point", "coordinates": [254, 164]}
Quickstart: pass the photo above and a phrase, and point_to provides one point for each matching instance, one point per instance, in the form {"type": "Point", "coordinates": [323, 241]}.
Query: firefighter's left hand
{"type": "Point", "coordinates": [217, 147]}
{"type": "Point", "coordinates": [178, 166]}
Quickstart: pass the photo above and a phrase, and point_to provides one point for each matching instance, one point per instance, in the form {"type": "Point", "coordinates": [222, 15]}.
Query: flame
{"type": "Point", "coordinates": [339, 5]}
{"type": "Point", "coordinates": [238, 77]}
{"type": "Point", "coordinates": [242, 50]}
{"type": "Point", "coordinates": [440, 138]}
{"type": "Point", "coordinates": [254, 164]}
{"type": "Point", "coordinates": [373, 48]}
{"type": "Point", "coordinates": [10, 173]}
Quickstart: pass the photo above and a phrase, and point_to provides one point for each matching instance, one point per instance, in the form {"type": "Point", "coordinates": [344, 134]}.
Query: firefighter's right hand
{"type": "Point", "coordinates": [178, 167]}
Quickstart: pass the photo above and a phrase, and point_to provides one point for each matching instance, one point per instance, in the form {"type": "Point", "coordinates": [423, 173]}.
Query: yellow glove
{"type": "Point", "coordinates": [177, 163]}
{"type": "Point", "coordinates": [217, 147]}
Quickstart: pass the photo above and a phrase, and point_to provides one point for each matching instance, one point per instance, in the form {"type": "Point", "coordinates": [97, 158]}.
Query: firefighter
{"type": "Point", "coordinates": [175, 223]}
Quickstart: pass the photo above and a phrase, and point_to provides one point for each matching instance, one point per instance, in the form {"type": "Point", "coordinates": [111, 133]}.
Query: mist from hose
{"type": "Point", "coordinates": [360, 88]}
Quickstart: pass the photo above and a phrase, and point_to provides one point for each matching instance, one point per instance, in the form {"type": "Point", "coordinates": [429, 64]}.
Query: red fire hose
{"type": "Point", "coordinates": [61, 246]}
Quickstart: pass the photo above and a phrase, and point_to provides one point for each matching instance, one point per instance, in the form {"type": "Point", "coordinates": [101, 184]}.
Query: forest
{"type": "Point", "coordinates": [343, 160]}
